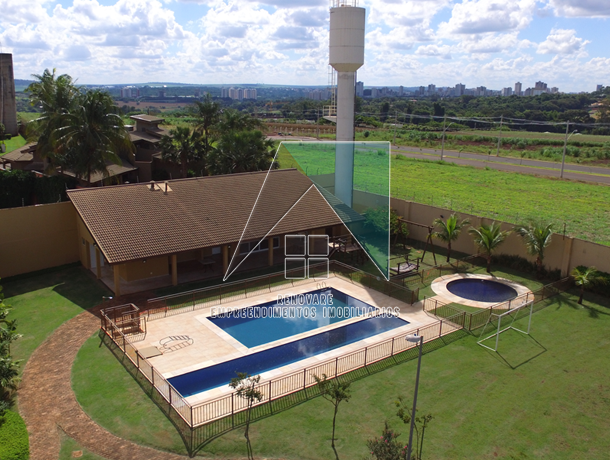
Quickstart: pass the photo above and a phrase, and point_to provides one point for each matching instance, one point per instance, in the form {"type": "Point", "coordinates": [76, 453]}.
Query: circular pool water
{"type": "Point", "coordinates": [481, 290]}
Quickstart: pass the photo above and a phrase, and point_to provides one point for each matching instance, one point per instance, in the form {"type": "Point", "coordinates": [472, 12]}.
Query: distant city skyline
{"type": "Point", "coordinates": [408, 42]}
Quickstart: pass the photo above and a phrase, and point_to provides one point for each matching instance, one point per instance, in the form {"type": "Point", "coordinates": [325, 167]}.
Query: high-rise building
{"type": "Point", "coordinates": [431, 90]}
{"type": "Point", "coordinates": [224, 92]}
{"type": "Point", "coordinates": [540, 86]}
{"type": "Point", "coordinates": [508, 91]}
{"type": "Point", "coordinates": [459, 90]}
{"type": "Point", "coordinates": [518, 88]}
{"type": "Point", "coordinates": [359, 88]}
{"type": "Point", "coordinates": [401, 91]}
{"type": "Point", "coordinates": [422, 90]}
{"type": "Point", "coordinates": [8, 104]}
{"type": "Point", "coordinates": [554, 90]}
{"type": "Point", "coordinates": [599, 87]}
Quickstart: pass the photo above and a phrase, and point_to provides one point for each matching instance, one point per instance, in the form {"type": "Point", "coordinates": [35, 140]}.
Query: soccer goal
{"type": "Point", "coordinates": [505, 321]}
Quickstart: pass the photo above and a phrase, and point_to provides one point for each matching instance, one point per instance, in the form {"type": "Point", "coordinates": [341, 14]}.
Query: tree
{"type": "Point", "coordinates": [234, 120]}
{"type": "Point", "coordinates": [91, 135]}
{"type": "Point", "coordinates": [536, 238]}
{"type": "Point", "coordinates": [9, 371]}
{"type": "Point", "coordinates": [245, 386]}
{"type": "Point", "coordinates": [387, 447]}
{"type": "Point", "coordinates": [55, 96]}
{"type": "Point", "coordinates": [182, 146]}
{"type": "Point", "coordinates": [420, 425]}
{"type": "Point", "coordinates": [335, 392]}
{"type": "Point", "coordinates": [449, 230]}
{"type": "Point", "coordinates": [488, 238]}
{"type": "Point", "coordinates": [587, 277]}
{"type": "Point", "coordinates": [207, 115]}
{"type": "Point", "coordinates": [241, 151]}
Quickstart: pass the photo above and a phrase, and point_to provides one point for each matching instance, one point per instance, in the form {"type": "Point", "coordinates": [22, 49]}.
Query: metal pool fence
{"type": "Point", "coordinates": [195, 415]}
{"type": "Point", "coordinates": [169, 305]}
{"type": "Point", "coordinates": [478, 319]}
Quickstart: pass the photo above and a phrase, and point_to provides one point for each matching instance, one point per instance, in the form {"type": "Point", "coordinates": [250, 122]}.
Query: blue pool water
{"type": "Point", "coordinates": [481, 290]}
{"type": "Point", "coordinates": [253, 326]}
{"type": "Point", "coordinates": [221, 374]}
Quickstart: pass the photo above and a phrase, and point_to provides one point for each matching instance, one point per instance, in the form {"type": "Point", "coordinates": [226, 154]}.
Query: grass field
{"type": "Point", "coordinates": [529, 135]}
{"type": "Point", "coordinates": [42, 301]}
{"type": "Point", "coordinates": [536, 399]}
{"type": "Point", "coordinates": [511, 197]}
{"type": "Point", "coordinates": [14, 143]}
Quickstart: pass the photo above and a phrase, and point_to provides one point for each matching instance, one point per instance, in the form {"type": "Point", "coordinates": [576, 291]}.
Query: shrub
{"type": "Point", "coordinates": [14, 443]}
{"type": "Point", "coordinates": [524, 265]}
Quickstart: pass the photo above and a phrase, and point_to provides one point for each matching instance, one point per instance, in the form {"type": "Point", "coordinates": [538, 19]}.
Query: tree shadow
{"type": "Point", "coordinates": [522, 350]}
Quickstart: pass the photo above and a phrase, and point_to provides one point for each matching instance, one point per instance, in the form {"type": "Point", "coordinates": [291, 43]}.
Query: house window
{"type": "Point", "coordinates": [251, 246]}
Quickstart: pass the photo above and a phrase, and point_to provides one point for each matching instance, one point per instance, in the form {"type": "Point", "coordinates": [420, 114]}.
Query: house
{"type": "Point", "coordinates": [25, 158]}
{"type": "Point", "coordinates": [146, 235]}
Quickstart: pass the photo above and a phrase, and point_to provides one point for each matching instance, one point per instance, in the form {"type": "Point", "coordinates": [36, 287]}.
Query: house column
{"type": "Point", "coordinates": [270, 241]}
{"type": "Point", "coordinates": [117, 281]}
{"type": "Point", "coordinates": [174, 269]}
{"type": "Point", "coordinates": [225, 258]}
{"type": "Point", "coordinates": [98, 265]}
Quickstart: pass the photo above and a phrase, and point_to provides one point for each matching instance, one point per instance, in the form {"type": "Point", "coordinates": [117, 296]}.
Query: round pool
{"type": "Point", "coordinates": [481, 290]}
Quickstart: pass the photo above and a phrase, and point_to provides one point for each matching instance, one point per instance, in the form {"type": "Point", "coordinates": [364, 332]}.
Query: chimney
{"type": "Point", "coordinates": [152, 185]}
{"type": "Point", "coordinates": [165, 192]}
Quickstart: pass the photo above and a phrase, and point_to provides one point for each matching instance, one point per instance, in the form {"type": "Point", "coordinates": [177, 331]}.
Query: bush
{"type": "Point", "coordinates": [14, 442]}
{"type": "Point", "coordinates": [601, 288]}
{"type": "Point", "coordinates": [524, 265]}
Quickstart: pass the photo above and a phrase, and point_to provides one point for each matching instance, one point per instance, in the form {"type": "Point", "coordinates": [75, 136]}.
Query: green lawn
{"type": "Point", "coordinates": [509, 197]}
{"type": "Point", "coordinates": [44, 300]}
{"type": "Point", "coordinates": [14, 143]}
{"type": "Point", "coordinates": [542, 397]}
{"type": "Point", "coordinates": [70, 447]}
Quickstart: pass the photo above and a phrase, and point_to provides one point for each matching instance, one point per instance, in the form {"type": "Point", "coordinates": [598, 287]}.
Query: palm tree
{"type": "Point", "coordinates": [207, 115]}
{"type": "Point", "coordinates": [234, 120]}
{"type": "Point", "coordinates": [449, 230]}
{"type": "Point", "coordinates": [55, 96]}
{"type": "Point", "coordinates": [488, 238]}
{"type": "Point", "coordinates": [586, 278]}
{"type": "Point", "coordinates": [242, 151]}
{"type": "Point", "coordinates": [536, 238]}
{"type": "Point", "coordinates": [182, 146]}
{"type": "Point", "coordinates": [92, 135]}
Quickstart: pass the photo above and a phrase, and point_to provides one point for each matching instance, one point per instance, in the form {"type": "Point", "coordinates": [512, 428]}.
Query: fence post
{"type": "Point", "coordinates": [152, 375]}
{"type": "Point", "coordinates": [440, 329]}
{"type": "Point", "coordinates": [336, 367]}
{"type": "Point", "coordinates": [304, 378]}
{"type": "Point", "coordinates": [138, 360]}
{"type": "Point", "coordinates": [124, 349]}
{"type": "Point", "coordinates": [392, 352]}
{"type": "Point", "coordinates": [366, 349]}
{"type": "Point", "coordinates": [233, 410]}
{"type": "Point", "coordinates": [435, 306]}
{"type": "Point", "coordinates": [270, 406]}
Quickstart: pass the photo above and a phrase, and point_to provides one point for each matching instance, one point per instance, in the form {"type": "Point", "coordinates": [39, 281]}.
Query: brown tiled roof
{"type": "Point", "coordinates": [131, 222]}
{"type": "Point", "coordinates": [143, 136]}
{"type": "Point", "coordinates": [147, 118]}
{"type": "Point", "coordinates": [25, 153]}
{"type": "Point", "coordinates": [113, 170]}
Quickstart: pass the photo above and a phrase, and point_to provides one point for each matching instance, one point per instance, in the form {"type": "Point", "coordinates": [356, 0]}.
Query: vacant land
{"type": "Point", "coordinates": [536, 398]}
{"type": "Point", "coordinates": [510, 197]}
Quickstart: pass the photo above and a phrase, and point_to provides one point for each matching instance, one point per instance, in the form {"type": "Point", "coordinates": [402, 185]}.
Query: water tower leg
{"type": "Point", "coordinates": [344, 153]}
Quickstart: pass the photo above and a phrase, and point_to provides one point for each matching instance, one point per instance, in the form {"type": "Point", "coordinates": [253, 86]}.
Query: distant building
{"type": "Point", "coordinates": [359, 89]}
{"type": "Point", "coordinates": [421, 91]}
{"type": "Point", "coordinates": [554, 90]}
{"type": "Point", "coordinates": [599, 88]}
{"type": "Point", "coordinates": [507, 91]}
{"type": "Point", "coordinates": [431, 90]}
{"type": "Point", "coordinates": [541, 86]}
{"type": "Point", "coordinates": [459, 90]}
{"type": "Point", "coordinates": [130, 91]}
{"type": "Point", "coordinates": [401, 91]}
{"type": "Point", "coordinates": [480, 91]}
{"type": "Point", "coordinates": [518, 89]}
{"type": "Point", "coordinates": [198, 93]}
{"type": "Point", "coordinates": [528, 92]}
{"type": "Point", "coordinates": [162, 93]}
{"type": "Point", "coordinates": [239, 93]}
{"type": "Point", "coordinates": [319, 95]}
{"type": "Point", "coordinates": [8, 109]}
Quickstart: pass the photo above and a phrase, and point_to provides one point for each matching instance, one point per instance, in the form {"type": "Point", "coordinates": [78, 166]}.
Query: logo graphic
{"type": "Point", "coordinates": [306, 256]}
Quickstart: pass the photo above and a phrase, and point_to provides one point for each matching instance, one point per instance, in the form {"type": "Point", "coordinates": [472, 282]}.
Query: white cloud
{"type": "Point", "coordinates": [443, 51]}
{"type": "Point", "coordinates": [581, 8]}
{"type": "Point", "coordinates": [483, 16]}
{"type": "Point", "coordinates": [562, 41]}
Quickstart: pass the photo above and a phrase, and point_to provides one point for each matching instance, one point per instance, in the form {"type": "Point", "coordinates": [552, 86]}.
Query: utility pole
{"type": "Point", "coordinates": [500, 136]}
{"type": "Point", "coordinates": [395, 124]}
{"type": "Point", "coordinates": [565, 145]}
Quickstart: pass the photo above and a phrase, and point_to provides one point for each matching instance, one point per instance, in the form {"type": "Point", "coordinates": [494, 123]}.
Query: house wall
{"type": "Point", "coordinates": [37, 237]}
{"type": "Point", "coordinates": [141, 269]}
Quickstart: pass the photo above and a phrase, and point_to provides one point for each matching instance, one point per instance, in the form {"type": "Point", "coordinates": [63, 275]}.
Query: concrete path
{"type": "Point", "coordinates": [48, 404]}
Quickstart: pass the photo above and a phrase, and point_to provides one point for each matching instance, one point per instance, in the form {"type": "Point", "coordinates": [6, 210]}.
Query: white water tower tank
{"type": "Point", "coordinates": [346, 37]}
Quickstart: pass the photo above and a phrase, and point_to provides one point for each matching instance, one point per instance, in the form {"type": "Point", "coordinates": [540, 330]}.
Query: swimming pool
{"type": "Point", "coordinates": [271, 321]}
{"type": "Point", "coordinates": [482, 290]}
{"type": "Point", "coordinates": [221, 374]}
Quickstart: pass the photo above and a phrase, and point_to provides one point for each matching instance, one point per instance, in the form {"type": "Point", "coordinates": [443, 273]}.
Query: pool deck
{"type": "Point", "coordinates": [211, 345]}
{"type": "Point", "coordinates": [439, 286]}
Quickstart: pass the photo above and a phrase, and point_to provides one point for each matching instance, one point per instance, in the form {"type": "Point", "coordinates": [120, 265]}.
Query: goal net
{"type": "Point", "coordinates": [504, 321]}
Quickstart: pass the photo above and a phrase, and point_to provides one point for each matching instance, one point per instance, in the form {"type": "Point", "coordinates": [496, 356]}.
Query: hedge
{"type": "Point", "coordinates": [14, 442]}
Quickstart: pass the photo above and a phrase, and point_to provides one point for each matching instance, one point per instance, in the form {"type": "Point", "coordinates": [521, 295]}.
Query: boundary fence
{"type": "Point", "coordinates": [478, 319]}
{"type": "Point", "coordinates": [465, 265]}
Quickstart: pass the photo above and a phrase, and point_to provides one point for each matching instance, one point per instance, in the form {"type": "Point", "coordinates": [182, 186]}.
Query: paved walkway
{"type": "Point", "coordinates": [48, 404]}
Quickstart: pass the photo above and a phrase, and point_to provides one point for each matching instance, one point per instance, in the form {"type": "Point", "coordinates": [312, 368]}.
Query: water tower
{"type": "Point", "coordinates": [346, 57]}
{"type": "Point", "coordinates": [8, 106]}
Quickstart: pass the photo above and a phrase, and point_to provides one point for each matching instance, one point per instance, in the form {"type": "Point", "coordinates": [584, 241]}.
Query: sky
{"type": "Point", "coordinates": [493, 43]}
